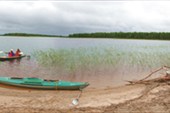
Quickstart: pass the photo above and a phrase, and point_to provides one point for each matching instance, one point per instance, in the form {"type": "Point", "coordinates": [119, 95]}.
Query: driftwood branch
{"type": "Point", "coordinates": [159, 79]}
{"type": "Point", "coordinates": [152, 73]}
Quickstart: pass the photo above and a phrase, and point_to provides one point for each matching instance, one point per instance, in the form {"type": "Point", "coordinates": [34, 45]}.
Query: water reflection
{"type": "Point", "coordinates": [17, 61]}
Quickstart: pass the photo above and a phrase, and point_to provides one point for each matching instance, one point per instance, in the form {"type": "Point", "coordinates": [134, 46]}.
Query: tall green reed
{"type": "Point", "coordinates": [94, 58]}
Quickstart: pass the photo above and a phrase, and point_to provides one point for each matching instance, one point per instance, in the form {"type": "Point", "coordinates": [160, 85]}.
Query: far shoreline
{"type": "Point", "coordinates": [2, 36]}
{"type": "Point", "coordinates": [100, 35]}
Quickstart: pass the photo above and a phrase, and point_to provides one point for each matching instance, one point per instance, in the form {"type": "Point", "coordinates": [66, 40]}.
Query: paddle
{"type": "Point", "coordinates": [1, 52]}
{"type": "Point", "coordinates": [21, 53]}
{"type": "Point", "coordinates": [76, 101]}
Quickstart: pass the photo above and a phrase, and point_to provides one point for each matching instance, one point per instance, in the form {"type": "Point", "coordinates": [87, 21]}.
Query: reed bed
{"type": "Point", "coordinates": [96, 57]}
{"type": "Point", "coordinates": [72, 59]}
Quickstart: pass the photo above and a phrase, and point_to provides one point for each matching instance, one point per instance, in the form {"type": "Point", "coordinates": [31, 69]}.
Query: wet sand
{"type": "Point", "coordinates": [127, 98]}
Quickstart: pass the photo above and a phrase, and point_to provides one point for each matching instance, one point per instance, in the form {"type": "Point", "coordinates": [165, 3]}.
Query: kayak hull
{"type": "Point", "coordinates": [38, 83]}
{"type": "Point", "coordinates": [5, 58]}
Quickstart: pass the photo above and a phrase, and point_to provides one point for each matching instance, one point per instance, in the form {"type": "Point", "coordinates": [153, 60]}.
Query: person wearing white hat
{"type": "Point", "coordinates": [11, 53]}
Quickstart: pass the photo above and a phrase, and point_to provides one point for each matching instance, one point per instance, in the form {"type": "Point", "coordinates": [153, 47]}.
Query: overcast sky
{"type": "Point", "coordinates": [62, 18]}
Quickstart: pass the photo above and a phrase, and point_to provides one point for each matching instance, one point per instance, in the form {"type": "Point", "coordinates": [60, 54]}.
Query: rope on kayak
{"type": "Point", "coordinates": [81, 91]}
{"type": "Point", "coordinates": [76, 100]}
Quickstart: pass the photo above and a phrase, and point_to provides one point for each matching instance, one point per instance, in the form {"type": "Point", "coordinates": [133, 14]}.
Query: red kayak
{"type": "Point", "coordinates": [6, 58]}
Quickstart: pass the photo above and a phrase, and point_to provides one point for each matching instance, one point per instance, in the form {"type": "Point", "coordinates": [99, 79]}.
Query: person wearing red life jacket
{"type": "Point", "coordinates": [18, 52]}
{"type": "Point", "coordinates": [11, 53]}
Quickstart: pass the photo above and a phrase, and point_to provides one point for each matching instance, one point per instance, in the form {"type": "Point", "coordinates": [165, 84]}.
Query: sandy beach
{"type": "Point", "coordinates": [152, 98]}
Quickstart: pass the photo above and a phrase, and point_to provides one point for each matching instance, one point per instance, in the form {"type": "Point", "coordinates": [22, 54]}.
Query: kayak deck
{"type": "Point", "coordinates": [42, 83]}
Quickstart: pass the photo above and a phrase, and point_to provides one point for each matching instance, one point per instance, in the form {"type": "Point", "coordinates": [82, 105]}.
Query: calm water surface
{"type": "Point", "coordinates": [105, 77]}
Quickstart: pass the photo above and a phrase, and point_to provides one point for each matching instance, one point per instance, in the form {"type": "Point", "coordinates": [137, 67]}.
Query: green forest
{"type": "Point", "coordinates": [28, 34]}
{"type": "Point", "coordinates": [125, 35]}
{"type": "Point", "coordinates": [116, 35]}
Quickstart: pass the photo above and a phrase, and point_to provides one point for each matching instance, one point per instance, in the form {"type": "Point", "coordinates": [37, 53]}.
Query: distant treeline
{"type": "Point", "coordinates": [27, 34]}
{"type": "Point", "coordinates": [125, 35]}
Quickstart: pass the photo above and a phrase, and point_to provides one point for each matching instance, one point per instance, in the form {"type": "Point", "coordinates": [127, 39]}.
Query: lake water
{"type": "Point", "coordinates": [103, 77]}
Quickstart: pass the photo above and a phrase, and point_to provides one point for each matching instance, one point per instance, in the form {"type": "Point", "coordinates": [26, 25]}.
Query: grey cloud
{"type": "Point", "coordinates": [73, 17]}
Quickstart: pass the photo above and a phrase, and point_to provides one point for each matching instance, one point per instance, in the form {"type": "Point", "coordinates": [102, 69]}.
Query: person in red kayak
{"type": "Point", "coordinates": [18, 52]}
{"type": "Point", "coordinates": [11, 53]}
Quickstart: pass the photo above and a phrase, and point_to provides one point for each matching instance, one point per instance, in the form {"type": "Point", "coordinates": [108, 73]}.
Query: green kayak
{"type": "Point", "coordinates": [42, 83]}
